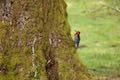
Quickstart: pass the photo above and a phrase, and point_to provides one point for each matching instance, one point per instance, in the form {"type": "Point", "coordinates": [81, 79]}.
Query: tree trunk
{"type": "Point", "coordinates": [35, 42]}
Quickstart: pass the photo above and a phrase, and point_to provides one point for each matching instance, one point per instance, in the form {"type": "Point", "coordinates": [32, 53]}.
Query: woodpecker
{"type": "Point", "coordinates": [77, 39]}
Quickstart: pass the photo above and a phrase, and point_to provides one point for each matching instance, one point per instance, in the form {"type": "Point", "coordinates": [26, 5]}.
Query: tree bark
{"type": "Point", "coordinates": [35, 42]}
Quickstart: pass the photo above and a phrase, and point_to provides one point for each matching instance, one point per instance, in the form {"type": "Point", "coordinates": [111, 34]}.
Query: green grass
{"type": "Point", "coordinates": [100, 37]}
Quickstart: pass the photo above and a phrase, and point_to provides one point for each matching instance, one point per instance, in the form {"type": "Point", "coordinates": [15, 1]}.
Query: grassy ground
{"type": "Point", "coordinates": [100, 36]}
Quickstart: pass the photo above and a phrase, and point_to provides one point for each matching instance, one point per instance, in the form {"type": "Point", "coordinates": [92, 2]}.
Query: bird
{"type": "Point", "coordinates": [76, 39]}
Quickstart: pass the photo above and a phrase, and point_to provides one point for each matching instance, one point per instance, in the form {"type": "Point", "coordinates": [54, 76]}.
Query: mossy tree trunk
{"type": "Point", "coordinates": [35, 42]}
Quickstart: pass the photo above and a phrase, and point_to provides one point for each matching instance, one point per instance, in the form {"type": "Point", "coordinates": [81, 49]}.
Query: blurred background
{"type": "Point", "coordinates": [99, 24]}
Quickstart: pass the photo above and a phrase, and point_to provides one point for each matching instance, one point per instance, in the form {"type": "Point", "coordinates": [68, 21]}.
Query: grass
{"type": "Point", "coordinates": [100, 37]}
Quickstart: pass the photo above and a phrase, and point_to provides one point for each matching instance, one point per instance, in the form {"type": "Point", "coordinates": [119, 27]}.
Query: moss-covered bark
{"type": "Point", "coordinates": [35, 42]}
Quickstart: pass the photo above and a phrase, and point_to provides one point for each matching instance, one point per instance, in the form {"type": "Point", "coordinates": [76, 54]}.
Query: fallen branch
{"type": "Point", "coordinates": [116, 9]}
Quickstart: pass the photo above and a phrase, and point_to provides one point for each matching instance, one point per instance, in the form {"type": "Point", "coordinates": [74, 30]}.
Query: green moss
{"type": "Point", "coordinates": [17, 42]}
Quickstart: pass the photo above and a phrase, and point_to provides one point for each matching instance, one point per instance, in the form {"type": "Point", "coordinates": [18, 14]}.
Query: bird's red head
{"type": "Point", "coordinates": [77, 33]}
